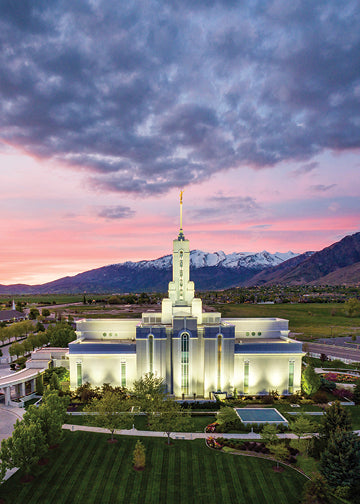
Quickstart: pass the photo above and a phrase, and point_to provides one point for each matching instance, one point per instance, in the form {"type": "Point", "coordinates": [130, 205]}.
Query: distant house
{"type": "Point", "coordinates": [11, 316]}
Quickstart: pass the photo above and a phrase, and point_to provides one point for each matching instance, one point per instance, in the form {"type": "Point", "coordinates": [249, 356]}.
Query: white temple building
{"type": "Point", "coordinates": [195, 352]}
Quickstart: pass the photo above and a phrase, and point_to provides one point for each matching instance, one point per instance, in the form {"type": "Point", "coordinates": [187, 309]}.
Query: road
{"type": "Point", "coordinates": [333, 351]}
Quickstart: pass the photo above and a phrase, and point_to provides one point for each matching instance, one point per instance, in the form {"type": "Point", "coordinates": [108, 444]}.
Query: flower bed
{"type": "Point", "coordinates": [340, 378]}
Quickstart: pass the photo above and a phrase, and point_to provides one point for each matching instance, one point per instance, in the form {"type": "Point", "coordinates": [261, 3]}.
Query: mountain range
{"type": "Point", "coordinates": [337, 264]}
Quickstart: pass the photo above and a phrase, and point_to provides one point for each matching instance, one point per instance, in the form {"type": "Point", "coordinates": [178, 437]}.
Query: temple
{"type": "Point", "coordinates": [197, 353]}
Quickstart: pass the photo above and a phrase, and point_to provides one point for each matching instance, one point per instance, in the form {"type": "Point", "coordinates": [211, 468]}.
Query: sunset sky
{"type": "Point", "coordinates": [108, 109]}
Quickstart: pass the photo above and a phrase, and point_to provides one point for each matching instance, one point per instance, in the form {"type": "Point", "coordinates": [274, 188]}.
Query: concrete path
{"type": "Point", "coordinates": [8, 417]}
{"type": "Point", "coordinates": [188, 436]}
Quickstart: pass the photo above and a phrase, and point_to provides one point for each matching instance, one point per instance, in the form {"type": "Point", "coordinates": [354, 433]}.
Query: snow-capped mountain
{"type": "Point", "coordinates": [200, 259]}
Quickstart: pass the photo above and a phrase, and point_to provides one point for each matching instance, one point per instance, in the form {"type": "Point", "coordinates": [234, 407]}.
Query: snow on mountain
{"type": "Point", "coordinates": [200, 259]}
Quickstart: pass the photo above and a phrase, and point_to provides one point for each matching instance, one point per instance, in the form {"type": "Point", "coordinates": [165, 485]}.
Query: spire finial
{"type": "Point", "coordinates": [181, 234]}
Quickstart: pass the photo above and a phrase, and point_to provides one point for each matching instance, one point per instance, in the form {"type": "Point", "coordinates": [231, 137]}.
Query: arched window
{"type": "Point", "coordinates": [219, 350]}
{"type": "Point", "coordinates": [185, 363]}
{"type": "Point", "coordinates": [151, 353]}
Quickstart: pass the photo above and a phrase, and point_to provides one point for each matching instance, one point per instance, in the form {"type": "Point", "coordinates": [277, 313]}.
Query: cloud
{"type": "Point", "coordinates": [227, 205]}
{"type": "Point", "coordinates": [148, 96]}
{"type": "Point", "coordinates": [116, 212]}
{"type": "Point", "coordinates": [306, 168]}
{"type": "Point", "coordinates": [322, 187]}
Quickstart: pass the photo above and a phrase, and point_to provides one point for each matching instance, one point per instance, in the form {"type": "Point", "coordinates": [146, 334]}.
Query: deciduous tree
{"type": "Point", "coordinates": [25, 447]}
{"type": "Point", "coordinates": [111, 412]}
{"type": "Point", "coordinates": [169, 417]}
{"type": "Point", "coordinates": [268, 434]}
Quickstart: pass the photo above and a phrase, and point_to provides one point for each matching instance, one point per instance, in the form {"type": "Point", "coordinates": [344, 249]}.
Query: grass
{"type": "Point", "coordinates": [198, 423]}
{"type": "Point", "coordinates": [85, 468]}
{"type": "Point", "coordinates": [315, 320]}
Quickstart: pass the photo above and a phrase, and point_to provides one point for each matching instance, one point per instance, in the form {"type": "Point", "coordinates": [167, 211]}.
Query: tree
{"type": "Point", "coordinates": [335, 417]}
{"type": "Point", "coordinates": [45, 312]}
{"type": "Point", "coordinates": [39, 384]}
{"type": "Point", "coordinates": [3, 469]}
{"type": "Point", "coordinates": [310, 381]}
{"type": "Point", "coordinates": [226, 415]}
{"type": "Point", "coordinates": [169, 417]}
{"type": "Point", "coordinates": [50, 415]}
{"type": "Point", "coordinates": [340, 461]}
{"type": "Point", "coordinates": [301, 426]}
{"type": "Point", "coordinates": [149, 392]}
{"type": "Point", "coordinates": [356, 393]}
{"type": "Point", "coordinates": [60, 334]}
{"type": "Point", "coordinates": [139, 455]}
{"type": "Point", "coordinates": [25, 447]}
{"type": "Point", "coordinates": [268, 434]}
{"type": "Point", "coordinates": [352, 307]}
{"type": "Point", "coordinates": [316, 491]}
{"type": "Point", "coordinates": [112, 412]}
{"type": "Point", "coordinates": [279, 451]}
{"type": "Point", "coordinates": [39, 327]}
{"type": "Point", "coordinates": [34, 313]}
{"type": "Point", "coordinates": [54, 382]}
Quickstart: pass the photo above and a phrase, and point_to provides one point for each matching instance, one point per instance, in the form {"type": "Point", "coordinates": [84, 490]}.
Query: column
{"type": "Point", "coordinates": [33, 385]}
{"type": "Point", "coordinates": [22, 389]}
{"type": "Point", "coordinates": [7, 396]}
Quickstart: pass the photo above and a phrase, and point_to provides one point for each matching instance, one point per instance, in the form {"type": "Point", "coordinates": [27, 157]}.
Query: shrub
{"type": "Point", "coordinates": [320, 397]}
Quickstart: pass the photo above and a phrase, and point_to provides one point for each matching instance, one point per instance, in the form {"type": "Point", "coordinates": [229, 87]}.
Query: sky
{"type": "Point", "coordinates": [108, 109]}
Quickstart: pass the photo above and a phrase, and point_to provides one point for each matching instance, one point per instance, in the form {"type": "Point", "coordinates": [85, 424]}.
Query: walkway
{"type": "Point", "coordinates": [188, 436]}
{"type": "Point", "coordinates": [8, 417]}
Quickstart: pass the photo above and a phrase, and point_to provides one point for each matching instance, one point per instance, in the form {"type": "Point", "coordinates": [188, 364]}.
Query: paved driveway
{"type": "Point", "coordinates": [8, 417]}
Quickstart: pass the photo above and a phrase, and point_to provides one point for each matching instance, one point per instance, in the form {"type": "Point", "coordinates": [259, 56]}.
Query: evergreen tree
{"type": "Point", "coordinates": [139, 455]}
{"type": "Point", "coordinates": [316, 491]}
{"type": "Point", "coordinates": [310, 381]}
{"type": "Point", "coordinates": [340, 461]}
{"type": "Point", "coordinates": [335, 417]}
{"type": "Point", "coordinates": [357, 393]}
{"type": "Point", "coordinates": [39, 384]}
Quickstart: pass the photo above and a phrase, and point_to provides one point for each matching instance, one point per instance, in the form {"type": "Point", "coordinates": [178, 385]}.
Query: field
{"type": "Point", "coordinates": [85, 468]}
{"type": "Point", "coordinates": [311, 321]}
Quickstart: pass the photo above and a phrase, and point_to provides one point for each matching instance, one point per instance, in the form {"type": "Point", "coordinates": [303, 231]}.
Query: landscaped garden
{"type": "Point", "coordinates": [86, 468]}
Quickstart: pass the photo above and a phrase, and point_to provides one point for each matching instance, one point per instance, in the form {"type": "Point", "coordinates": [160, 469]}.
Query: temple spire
{"type": "Point", "coordinates": [181, 233]}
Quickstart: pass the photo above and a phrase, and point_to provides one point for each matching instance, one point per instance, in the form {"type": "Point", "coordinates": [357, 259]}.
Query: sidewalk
{"type": "Point", "coordinates": [188, 436]}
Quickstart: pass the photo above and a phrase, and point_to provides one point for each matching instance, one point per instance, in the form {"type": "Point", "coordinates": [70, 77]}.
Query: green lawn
{"type": "Point", "coordinates": [85, 468]}
{"type": "Point", "coordinates": [314, 320]}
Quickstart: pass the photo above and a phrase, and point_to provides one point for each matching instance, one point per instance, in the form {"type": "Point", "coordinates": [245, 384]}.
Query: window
{"type": "Point", "coordinates": [246, 377]}
{"type": "Point", "coordinates": [185, 363]}
{"type": "Point", "coordinates": [123, 374]}
{"type": "Point", "coordinates": [253, 333]}
{"type": "Point", "coordinates": [247, 333]}
{"type": "Point", "coordinates": [259, 333]}
{"type": "Point", "coordinates": [79, 374]}
{"type": "Point", "coordinates": [219, 349]}
{"type": "Point", "coordinates": [291, 376]}
{"type": "Point", "coordinates": [104, 334]}
{"type": "Point", "coordinates": [151, 353]}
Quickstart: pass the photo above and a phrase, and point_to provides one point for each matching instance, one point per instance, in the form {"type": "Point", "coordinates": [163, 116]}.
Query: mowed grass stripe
{"type": "Point", "coordinates": [154, 459]}
{"type": "Point", "coordinates": [93, 460]}
{"type": "Point", "coordinates": [199, 488]}
{"type": "Point", "coordinates": [60, 486]}
{"type": "Point", "coordinates": [109, 452]}
{"type": "Point", "coordinates": [116, 476]}
{"type": "Point", "coordinates": [170, 474]}
{"type": "Point", "coordinates": [120, 483]}
{"type": "Point", "coordinates": [228, 475]}
{"type": "Point", "coordinates": [163, 476]}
